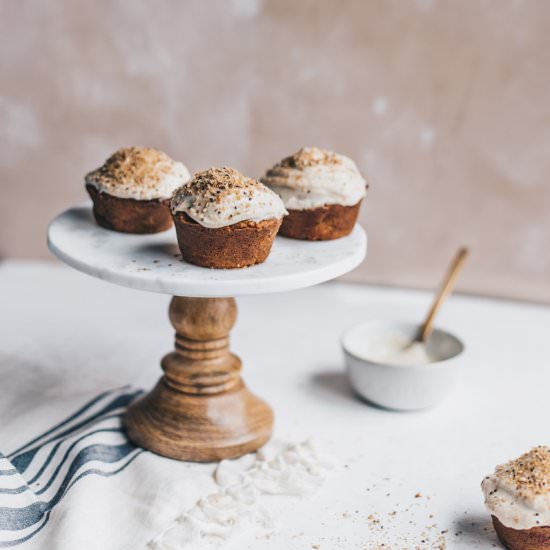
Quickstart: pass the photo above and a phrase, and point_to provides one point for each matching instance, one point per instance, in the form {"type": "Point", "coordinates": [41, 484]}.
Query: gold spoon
{"type": "Point", "coordinates": [445, 289]}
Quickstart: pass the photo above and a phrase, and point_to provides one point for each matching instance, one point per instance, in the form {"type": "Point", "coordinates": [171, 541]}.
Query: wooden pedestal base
{"type": "Point", "coordinates": [200, 410]}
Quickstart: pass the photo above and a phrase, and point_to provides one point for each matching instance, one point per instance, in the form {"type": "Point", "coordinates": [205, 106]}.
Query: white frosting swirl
{"type": "Point", "coordinates": [222, 196]}
{"type": "Point", "coordinates": [518, 493]}
{"type": "Point", "coordinates": [313, 177]}
{"type": "Point", "coordinates": [139, 173]}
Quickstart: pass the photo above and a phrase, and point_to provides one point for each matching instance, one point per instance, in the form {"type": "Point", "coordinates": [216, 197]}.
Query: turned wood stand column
{"type": "Point", "coordinates": [200, 410]}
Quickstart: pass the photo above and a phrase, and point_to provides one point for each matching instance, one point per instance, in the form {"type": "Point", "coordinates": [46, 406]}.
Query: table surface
{"type": "Point", "coordinates": [153, 262]}
{"type": "Point", "coordinates": [399, 478]}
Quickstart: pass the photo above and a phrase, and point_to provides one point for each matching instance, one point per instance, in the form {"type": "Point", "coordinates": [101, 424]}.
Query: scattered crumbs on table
{"type": "Point", "coordinates": [406, 526]}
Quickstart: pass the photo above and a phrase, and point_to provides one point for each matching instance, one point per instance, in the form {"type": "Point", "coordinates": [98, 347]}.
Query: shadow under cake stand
{"type": "Point", "coordinates": [200, 409]}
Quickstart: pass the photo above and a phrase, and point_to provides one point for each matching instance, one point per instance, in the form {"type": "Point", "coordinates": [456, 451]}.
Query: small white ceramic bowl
{"type": "Point", "coordinates": [401, 387]}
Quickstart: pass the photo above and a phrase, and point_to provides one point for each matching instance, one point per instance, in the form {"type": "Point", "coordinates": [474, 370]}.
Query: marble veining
{"type": "Point", "coordinates": [153, 262]}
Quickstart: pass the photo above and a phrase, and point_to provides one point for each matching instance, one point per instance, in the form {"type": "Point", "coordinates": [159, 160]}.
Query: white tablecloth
{"type": "Point", "coordinates": [399, 479]}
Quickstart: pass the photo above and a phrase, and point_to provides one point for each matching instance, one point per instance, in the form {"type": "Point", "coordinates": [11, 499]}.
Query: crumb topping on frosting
{"type": "Point", "coordinates": [313, 177]}
{"type": "Point", "coordinates": [140, 173]}
{"type": "Point", "coordinates": [530, 473]}
{"type": "Point", "coordinates": [217, 183]}
{"type": "Point", "coordinates": [218, 197]}
{"type": "Point", "coordinates": [310, 156]}
{"type": "Point", "coordinates": [518, 493]}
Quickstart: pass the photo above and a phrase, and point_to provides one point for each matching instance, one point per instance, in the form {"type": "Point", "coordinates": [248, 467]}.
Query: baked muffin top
{"type": "Point", "coordinates": [139, 173]}
{"type": "Point", "coordinates": [313, 177]}
{"type": "Point", "coordinates": [518, 493]}
{"type": "Point", "coordinates": [219, 197]}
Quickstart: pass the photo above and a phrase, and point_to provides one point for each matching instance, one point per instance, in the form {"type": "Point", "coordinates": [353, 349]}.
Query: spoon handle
{"type": "Point", "coordinates": [445, 289]}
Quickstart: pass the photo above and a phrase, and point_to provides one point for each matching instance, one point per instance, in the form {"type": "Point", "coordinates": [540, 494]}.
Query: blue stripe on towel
{"type": "Point", "coordinates": [103, 453]}
{"type": "Point", "coordinates": [41, 524]}
{"type": "Point", "coordinates": [23, 518]}
{"type": "Point", "coordinates": [23, 510]}
{"type": "Point", "coordinates": [46, 515]}
{"type": "Point", "coordinates": [51, 456]}
{"type": "Point", "coordinates": [60, 463]}
{"type": "Point", "coordinates": [22, 461]}
{"type": "Point", "coordinates": [75, 415]}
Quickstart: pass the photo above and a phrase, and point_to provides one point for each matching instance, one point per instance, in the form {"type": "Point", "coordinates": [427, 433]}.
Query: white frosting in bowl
{"type": "Point", "coordinates": [313, 177]}
{"type": "Point", "coordinates": [139, 173]}
{"type": "Point", "coordinates": [219, 197]}
{"type": "Point", "coordinates": [395, 348]}
{"type": "Point", "coordinates": [385, 369]}
{"type": "Point", "coordinates": [518, 493]}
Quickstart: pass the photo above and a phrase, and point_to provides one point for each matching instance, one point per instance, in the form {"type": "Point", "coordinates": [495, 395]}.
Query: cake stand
{"type": "Point", "coordinates": [200, 409]}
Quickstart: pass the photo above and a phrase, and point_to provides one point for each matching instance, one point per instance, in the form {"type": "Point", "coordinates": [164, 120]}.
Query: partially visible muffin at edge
{"type": "Point", "coordinates": [322, 192]}
{"type": "Point", "coordinates": [225, 220]}
{"type": "Point", "coordinates": [131, 192]}
{"type": "Point", "coordinates": [517, 496]}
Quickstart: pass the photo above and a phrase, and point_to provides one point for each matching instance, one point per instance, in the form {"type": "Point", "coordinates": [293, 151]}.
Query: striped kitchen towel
{"type": "Point", "coordinates": [77, 484]}
{"type": "Point", "coordinates": [35, 477]}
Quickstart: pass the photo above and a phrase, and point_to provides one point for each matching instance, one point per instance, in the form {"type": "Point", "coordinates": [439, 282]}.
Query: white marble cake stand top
{"type": "Point", "coordinates": [152, 262]}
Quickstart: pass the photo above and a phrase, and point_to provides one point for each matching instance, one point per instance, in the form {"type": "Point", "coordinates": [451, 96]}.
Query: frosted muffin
{"type": "Point", "coordinates": [225, 220]}
{"type": "Point", "coordinates": [322, 192]}
{"type": "Point", "coordinates": [518, 497]}
{"type": "Point", "coordinates": [131, 192]}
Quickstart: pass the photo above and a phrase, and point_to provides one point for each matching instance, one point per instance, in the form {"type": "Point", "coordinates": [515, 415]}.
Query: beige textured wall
{"type": "Point", "coordinates": [445, 105]}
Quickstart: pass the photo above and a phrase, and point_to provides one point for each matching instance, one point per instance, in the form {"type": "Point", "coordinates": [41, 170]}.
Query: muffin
{"type": "Point", "coordinates": [225, 220]}
{"type": "Point", "coordinates": [131, 192]}
{"type": "Point", "coordinates": [322, 192]}
{"type": "Point", "coordinates": [518, 497]}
